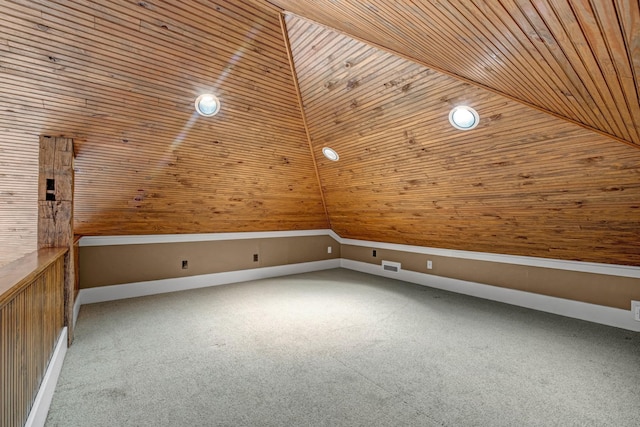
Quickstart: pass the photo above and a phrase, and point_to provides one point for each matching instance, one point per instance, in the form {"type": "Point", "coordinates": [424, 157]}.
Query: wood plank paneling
{"type": "Point", "coordinates": [18, 195]}
{"type": "Point", "coordinates": [575, 59]}
{"type": "Point", "coordinates": [31, 319]}
{"type": "Point", "coordinates": [120, 78]}
{"type": "Point", "coordinates": [522, 183]}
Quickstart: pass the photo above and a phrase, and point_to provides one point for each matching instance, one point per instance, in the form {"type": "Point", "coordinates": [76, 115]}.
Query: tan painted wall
{"type": "Point", "coordinates": [118, 264]}
{"type": "Point", "coordinates": [601, 289]}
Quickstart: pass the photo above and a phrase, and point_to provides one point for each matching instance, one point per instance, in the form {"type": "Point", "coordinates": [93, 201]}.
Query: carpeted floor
{"type": "Point", "coordinates": [341, 348]}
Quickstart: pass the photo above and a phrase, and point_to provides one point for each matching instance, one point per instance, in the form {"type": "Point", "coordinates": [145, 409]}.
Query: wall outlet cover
{"type": "Point", "coordinates": [635, 309]}
{"type": "Point", "coordinates": [429, 264]}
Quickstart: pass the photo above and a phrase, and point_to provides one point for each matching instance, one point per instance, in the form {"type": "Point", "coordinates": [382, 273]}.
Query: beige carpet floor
{"type": "Point", "coordinates": [341, 348]}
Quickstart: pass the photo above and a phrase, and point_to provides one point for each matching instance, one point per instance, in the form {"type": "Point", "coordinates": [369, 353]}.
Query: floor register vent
{"type": "Point", "coordinates": [391, 266]}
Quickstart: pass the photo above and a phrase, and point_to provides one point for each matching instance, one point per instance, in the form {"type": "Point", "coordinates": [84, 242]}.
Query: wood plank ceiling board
{"type": "Point", "coordinates": [121, 79]}
{"type": "Point", "coordinates": [18, 195]}
{"type": "Point", "coordinates": [576, 59]}
{"type": "Point", "coordinates": [523, 182]}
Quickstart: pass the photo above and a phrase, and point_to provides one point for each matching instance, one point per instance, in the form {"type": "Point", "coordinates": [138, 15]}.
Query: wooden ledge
{"type": "Point", "coordinates": [19, 273]}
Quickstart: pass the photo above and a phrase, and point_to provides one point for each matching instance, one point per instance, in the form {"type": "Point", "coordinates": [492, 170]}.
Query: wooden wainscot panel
{"type": "Point", "coordinates": [31, 319]}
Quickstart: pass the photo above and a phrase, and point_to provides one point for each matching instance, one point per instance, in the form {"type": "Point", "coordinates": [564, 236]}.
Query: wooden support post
{"type": "Point", "coordinates": [55, 211]}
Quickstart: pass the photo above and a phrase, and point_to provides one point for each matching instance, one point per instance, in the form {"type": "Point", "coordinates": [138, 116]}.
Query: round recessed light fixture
{"type": "Point", "coordinates": [464, 118]}
{"type": "Point", "coordinates": [330, 154]}
{"type": "Point", "coordinates": [207, 105]}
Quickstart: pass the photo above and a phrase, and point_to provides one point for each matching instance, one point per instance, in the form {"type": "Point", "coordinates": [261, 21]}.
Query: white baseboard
{"type": "Point", "coordinates": [138, 289]}
{"type": "Point", "coordinates": [590, 312]}
{"type": "Point", "coordinates": [579, 310]}
{"type": "Point", "coordinates": [558, 264]}
{"type": "Point", "coordinates": [40, 408]}
{"type": "Point", "coordinates": [588, 267]}
{"type": "Point", "coordinates": [76, 309]}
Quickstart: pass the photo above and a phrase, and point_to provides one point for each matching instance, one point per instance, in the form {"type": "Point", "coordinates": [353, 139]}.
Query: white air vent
{"type": "Point", "coordinates": [394, 267]}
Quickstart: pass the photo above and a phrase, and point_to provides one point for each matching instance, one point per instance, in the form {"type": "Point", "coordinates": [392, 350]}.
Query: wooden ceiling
{"type": "Point", "coordinates": [577, 59]}
{"type": "Point", "coordinates": [523, 182]}
{"type": "Point", "coordinates": [120, 77]}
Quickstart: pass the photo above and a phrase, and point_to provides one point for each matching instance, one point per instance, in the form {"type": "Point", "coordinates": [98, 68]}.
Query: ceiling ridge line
{"type": "Point", "coordinates": [464, 79]}
{"type": "Point", "coordinates": [294, 76]}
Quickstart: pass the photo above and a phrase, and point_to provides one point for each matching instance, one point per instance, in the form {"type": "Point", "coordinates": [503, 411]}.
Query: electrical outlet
{"type": "Point", "coordinates": [329, 249]}
{"type": "Point", "coordinates": [635, 309]}
{"type": "Point", "coordinates": [429, 264]}
{"type": "Point", "coordinates": [185, 264]}
{"type": "Point", "coordinates": [255, 257]}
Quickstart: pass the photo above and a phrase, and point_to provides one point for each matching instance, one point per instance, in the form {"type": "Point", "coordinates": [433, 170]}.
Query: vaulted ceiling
{"type": "Point", "coordinates": [523, 181]}
{"type": "Point", "coordinates": [553, 169]}
{"type": "Point", "coordinates": [578, 59]}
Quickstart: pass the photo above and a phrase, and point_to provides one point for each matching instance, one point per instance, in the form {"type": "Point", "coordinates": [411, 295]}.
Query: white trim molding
{"type": "Point", "coordinates": [76, 309]}
{"type": "Point", "coordinates": [586, 267]}
{"type": "Point", "coordinates": [590, 312]}
{"type": "Point", "coordinates": [569, 308]}
{"type": "Point", "coordinates": [40, 409]}
{"type": "Point", "coordinates": [579, 310]}
{"type": "Point", "coordinates": [152, 287]}
{"type": "Point", "coordinates": [204, 237]}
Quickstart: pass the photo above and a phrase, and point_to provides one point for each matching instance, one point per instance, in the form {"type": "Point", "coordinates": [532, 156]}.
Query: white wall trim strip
{"type": "Point", "coordinates": [579, 310]}
{"type": "Point", "coordinates": [586, 267]}
{"type": "Point", "coordinates": [335, 236]}
{"type": "Point", "coordinates": [576, 309]}
{"type": "Point", "coordinates": [138, 289]}
{"type": "Point", "coordinates": [41, 404]}
{"type": "Point", "coordinates": [205, 237]}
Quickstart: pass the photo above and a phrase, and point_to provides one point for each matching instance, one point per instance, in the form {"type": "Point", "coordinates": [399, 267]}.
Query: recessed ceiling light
{"type": "Point", "coordinates": [330, 154]}
{"type": "Point", "coordinates": [464, 118]}
{"type": "Point", "coordinates": [207, 105]}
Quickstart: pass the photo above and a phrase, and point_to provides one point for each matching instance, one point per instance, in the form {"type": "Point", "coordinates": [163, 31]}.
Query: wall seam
{"type": "Point", "coordinates": [294, 75]}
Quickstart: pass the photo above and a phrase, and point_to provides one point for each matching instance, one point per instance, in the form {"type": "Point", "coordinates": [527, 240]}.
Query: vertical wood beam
{"type": "Point", "coordinates": [55, 211]}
